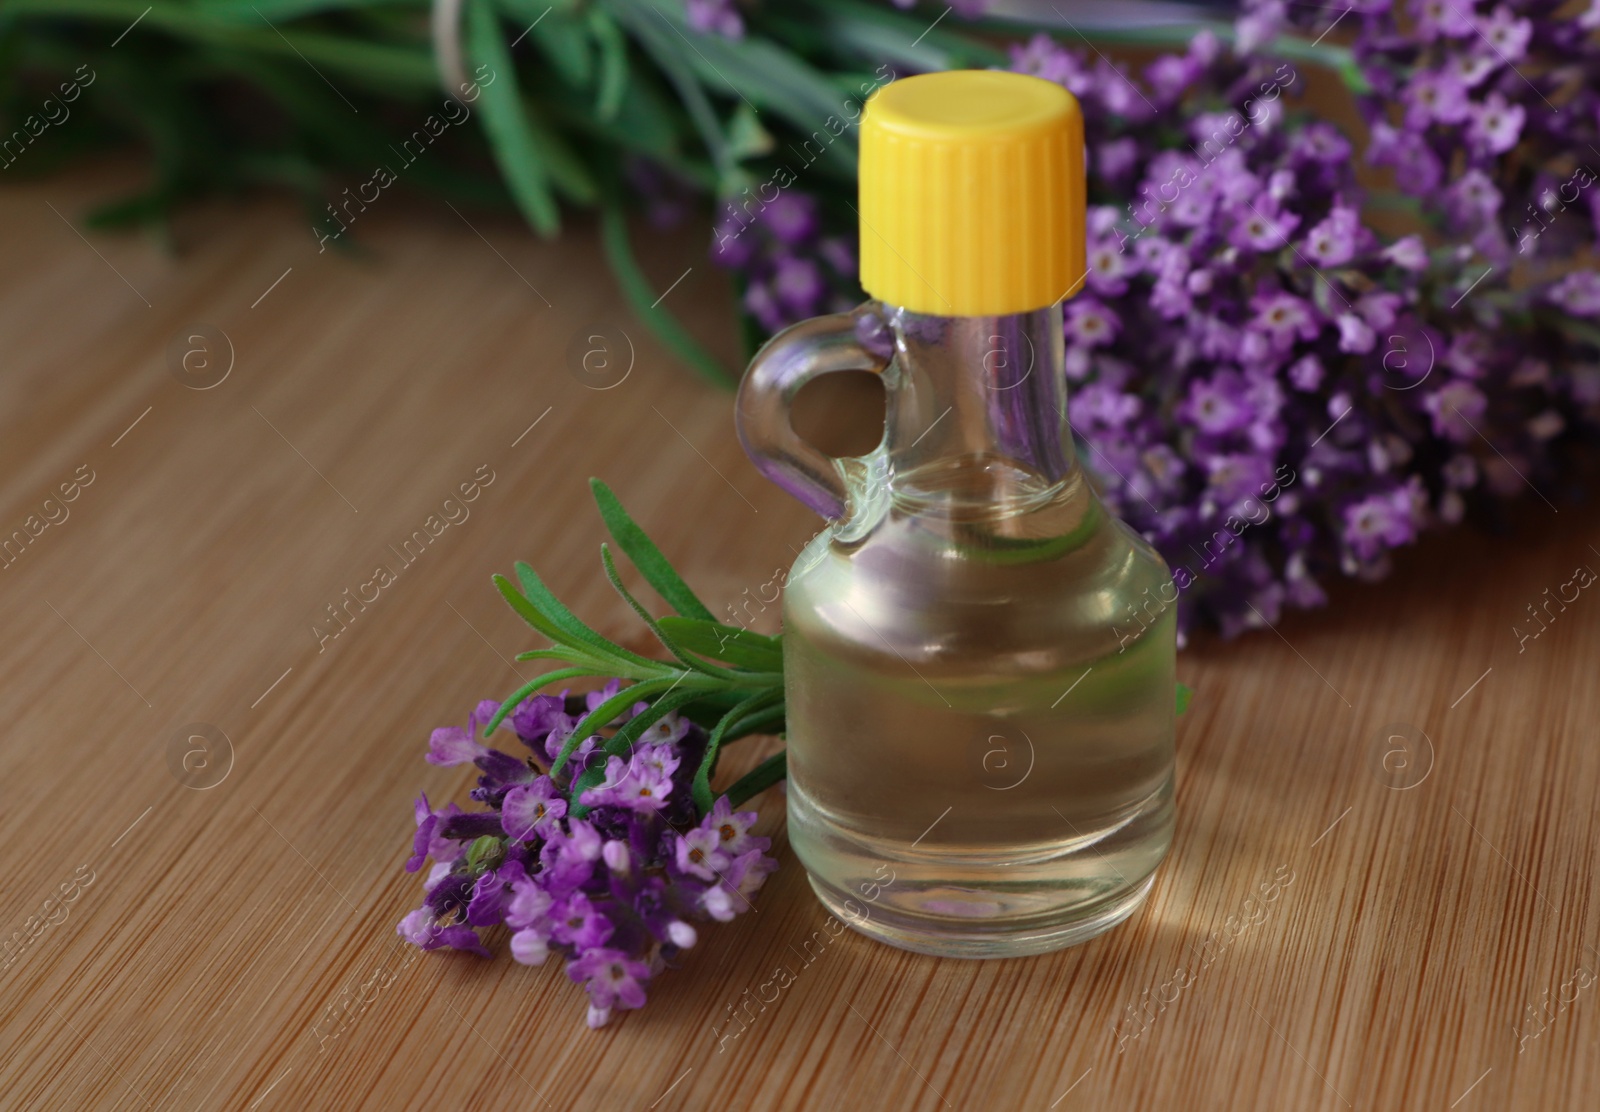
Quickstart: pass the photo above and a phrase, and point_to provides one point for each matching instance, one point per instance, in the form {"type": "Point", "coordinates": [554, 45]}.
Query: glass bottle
{"type": "Point", "coordinates": [978, 657]}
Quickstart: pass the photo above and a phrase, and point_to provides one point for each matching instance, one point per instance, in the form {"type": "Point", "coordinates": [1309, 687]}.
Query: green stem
{"type": "Point", "coordinates": [646, 303]}
{"type": "Point", "coordinates": [760, 778]}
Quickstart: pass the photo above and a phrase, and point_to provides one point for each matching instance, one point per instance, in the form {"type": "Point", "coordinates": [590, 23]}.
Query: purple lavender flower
{"type": "Point", "coordinates": [1217, 405]}
{"type": "Point", "coordinates": [1284, 319]}
{"type": "Point", "coordinates": [531, 809]}
{"type": "Point", "coordinates": [1381, 521]}
{"type": "Point", "coordinates": [1089, 323]}
{"type": "Point", "coordinates": [1306, 373]}
{"type": "Point", "coordinates": [1417, 169]}
{"type": "Point", "coordinates": [536, 718]}
{"type": "Point", "coordinates": [423, 929]}
{"type": "Point", "coordinates": [612, 977]}
{"type": "Point", "coordinates": [1443, 17]}
{"type": "Point", "coordinates": [1259, 26]}
{"type": "Point", "coordinates": [1116, 158]}
{"type": "Point", "coordinates": [1506, 35]}
{"type": "Point", "coordinates": [789, 271]}
{"type": "Point", "coordinates": [612, 892]}
{"type": "Point", "coordinates": [700, 852]}
{"type": "Point", "coordinates": [730, 246]}
{"type": "Point", "coordinates": [1435, 98]}
{"type": "Point", "coordinates": [750, 870]}
{"type": "Point", "coordinates": [733, 828]}
{"type": "Point", "coordinates": [581, 756]}
{"type": "Point", "coordinates": [567, 858]}
{"type": "Point", "coordinates": [1262, 226]}
{"type": "Point", "coordinates": [964, 9]}
{"type": "Point", "coordinates": [1109, 268]}
{"type": "Point", "coordinates": [1319, 142]}
{"type": "Point", "coordinates": [1496, 124]}
{"type": "Point", "coordinates": [1408, 252]}
{"type": "Point", "coordinates": [1040, 56]}
{"type": "Point", "coordinates": [1236, 476]}
{"type": "Point", "coordinates": [578, 923]}
{"type": "Point", "coordinates": [718, 17]}
{"type": "Point", "coordinates": [1355, 334]}
{"type": "Point", "coordinates": [642, 783]}
{"type": "Point", "coordinates": [452, 745]}
{"type": "Point", "coordinates": [1455, 409]}
{"type": "Point", "coordinates": [797, 283]}
{"type": "Point", "coordinates": [491, 893]}
{"type": "Point", "coordinates": [791, 218]}
{"type": "Point", "coordinates": [1334, 240]}
{"type": "Point", "coordinates": [428, 841]}
{"type": "Point", "coordinates": [1578, 293]}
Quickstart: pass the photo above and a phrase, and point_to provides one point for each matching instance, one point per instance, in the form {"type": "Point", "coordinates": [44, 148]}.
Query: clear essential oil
{"type": "Point", "coordinates": [976, 736]}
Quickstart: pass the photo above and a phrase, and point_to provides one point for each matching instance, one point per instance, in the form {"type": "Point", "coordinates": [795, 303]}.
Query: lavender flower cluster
{"type": "Point", "coordinates": [1269, 390]}
{"type": "Point", "coordinates": [615, 892]}
{"type": "Point", "coordinates": [790, 271]}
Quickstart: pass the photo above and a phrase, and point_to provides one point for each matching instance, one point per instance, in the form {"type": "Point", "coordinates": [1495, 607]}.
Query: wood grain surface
{"type": "Point", "coordinates": [1345, 921]}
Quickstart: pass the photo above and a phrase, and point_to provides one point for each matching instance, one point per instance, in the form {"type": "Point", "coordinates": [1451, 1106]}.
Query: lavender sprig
{"type": "Point", "coordinates": [604, 848]}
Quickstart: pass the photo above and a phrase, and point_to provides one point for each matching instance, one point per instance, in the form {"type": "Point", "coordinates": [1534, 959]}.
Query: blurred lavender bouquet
{"type": "Point", "coordinates": [1270, 390]}
{"type": "Point", "coordinates": [605, 849]}
{"type": "Point", "coordinates": [1299, 348]}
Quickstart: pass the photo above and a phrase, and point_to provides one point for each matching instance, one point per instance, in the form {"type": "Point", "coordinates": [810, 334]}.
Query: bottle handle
{"type": "Point", "coordinates": [784, 364]}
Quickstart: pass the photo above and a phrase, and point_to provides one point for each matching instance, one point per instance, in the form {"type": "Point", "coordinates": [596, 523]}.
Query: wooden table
{"type": "Point", "coordinates": [231, 944]}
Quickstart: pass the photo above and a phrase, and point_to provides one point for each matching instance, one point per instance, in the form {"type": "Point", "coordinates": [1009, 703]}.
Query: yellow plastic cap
{"type": "Point", "coordinates": [972, 193]}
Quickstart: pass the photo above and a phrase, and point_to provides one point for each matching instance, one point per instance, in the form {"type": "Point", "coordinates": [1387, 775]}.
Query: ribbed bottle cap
{"type": "Point", "coordinates": [972, 193]}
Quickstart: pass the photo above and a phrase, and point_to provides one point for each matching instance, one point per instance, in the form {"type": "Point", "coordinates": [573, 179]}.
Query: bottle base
{"type": "Point", "coordinates": [994, 940]}
{"type": "Point", "coordinates": [980, 891]}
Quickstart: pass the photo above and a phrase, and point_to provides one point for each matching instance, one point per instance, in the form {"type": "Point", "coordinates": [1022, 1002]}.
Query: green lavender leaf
{"type": "Point", "coordinates": [613, 64]}
{"type": "Point", "coordinates": [740, 647]}
{"type": "Point", "coordinates": [645, 303]}
{"type": "Point", "coordinates": [645, 119]}
{"type": "Point", "coordinates": [754, 70]}
{"type": "Point", "coordinates": [877, 32]}
{"type": "Point", "coordinates": [739, 717]}
{"type": "Point", "coordinates": [380, 68]}
{"type": "Point", "coordinates": [718, 701]}
{"type": "Point", "coordinates": [565, 653]}
{"type": "Point", "coordinates": [252, 11]}
{"type": "Point", "coordinates": [1185, 693]}
{"type": "Point", "coordinates": [759, 779]}
{"type": "Point", "coordinates": [560, 39]}
{"type": "Point", "coordinates": [590, 778]}
{"type": "Point", "coordinates": [521, 693]}
{"type": "Point", "coordinates": [516, 148]}
{"type": "Point", "coordinates": [687, 659]}
{"type": "Point", "coordinates": [527, 611]}
{"type": "Point", "coordinates": [576, 633]}
{"type": "Point", "coordinates": [622, 741]}
{"type": "Point", "coordinates": [638, 607]}
{"type": "Point", "coordinates": [607, 712]}
{"type": "Point", "coordinates": [639, 548]}
{"type": "Point", "coordinates": [655, 37]}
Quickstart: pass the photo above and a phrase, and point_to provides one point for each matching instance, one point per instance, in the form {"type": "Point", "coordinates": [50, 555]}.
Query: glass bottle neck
{"type": "Point", "coordinates": [977, 408]}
